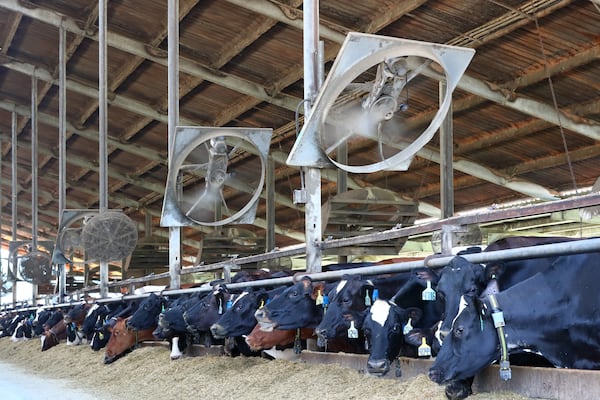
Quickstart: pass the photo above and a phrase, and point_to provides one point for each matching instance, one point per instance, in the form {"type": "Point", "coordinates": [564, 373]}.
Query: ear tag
{"type": "Point", "coordinates": [424, 349]}
{"type": "Point", "coordinates": [366, 344]}
{"type": "Point", "coordinates": [220, 306]}
{"type": "Point", "coordinates": [319, 299]}
{"type": "Point", "coordinates": [325, 303]}
{"type": "Point", "coordinates": [162, 308]}
{"type": "Point", "coordinates": [375, 294]}
{"type": "Point", "coordinates": [262, 304]}
{"type": "Point", "coordinates": [101, 336]}
{"type": "Point", "coordinates": [229, 304]}
{"type": "Point", "coordinates": [367, 299]}
{"type": "Point", "coordinates": [428, 294]}
{"type": "Point", "coordinates": [352, 331]}
{"type": "Point", "coordinates": [408, 327]}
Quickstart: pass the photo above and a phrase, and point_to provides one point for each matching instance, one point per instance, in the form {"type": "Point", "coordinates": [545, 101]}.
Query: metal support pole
{"type": "Point", "coordinates": [446, 159]}
{"type": "Point", "coordinates": [62, 146]}
{"type": "Point", "coordinates": [1, 264]}
{"type": "Point", "coordinates": [312, 176]}
{"type": "Point", "coordinates": [14, 202]}
{"type": "Point", "coordinates": [103, 130]}
{"type": "Point", "coordinates": [34, 174]}
{"type": "Point", "coordinates": [270, 240]}
{"type": "Point", "coordinates": [173, 78]}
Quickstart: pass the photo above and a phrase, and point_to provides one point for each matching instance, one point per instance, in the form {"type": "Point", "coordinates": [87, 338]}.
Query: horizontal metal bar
{"type": "Point", "coordinates": [563, 248]}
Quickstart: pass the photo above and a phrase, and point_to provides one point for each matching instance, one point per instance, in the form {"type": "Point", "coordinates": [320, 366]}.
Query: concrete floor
{"type": "Point", "coordinates": [19, 384]}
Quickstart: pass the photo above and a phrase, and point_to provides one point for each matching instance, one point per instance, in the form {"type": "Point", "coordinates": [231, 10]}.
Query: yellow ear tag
{"type": "Point", "coordinates": [424, 349]}
{"type": "Point", "coordinates": [319, 299]}
{"type": "Point", "coordinates": [262, 304]}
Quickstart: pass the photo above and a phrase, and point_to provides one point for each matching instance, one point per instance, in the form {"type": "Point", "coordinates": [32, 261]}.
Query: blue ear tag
{"type": "Point", "coordinates": [352, 331]}
{"type": "Point", "coordinates": [325, 303]}
{"type": "Point", "coordinates": [428, 294]}
{"type": "Point", "coordinates": [367, 298]}
{"type": "Point", "coordinates": [229, 304]}
{"type": "Point", "coordinates": [375, 294]}
{"type": "Point", "coordinates": [408, 327]}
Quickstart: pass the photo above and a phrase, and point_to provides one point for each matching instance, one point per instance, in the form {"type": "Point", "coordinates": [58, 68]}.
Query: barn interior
{"type": "Point", "coordinates": [525, 124]}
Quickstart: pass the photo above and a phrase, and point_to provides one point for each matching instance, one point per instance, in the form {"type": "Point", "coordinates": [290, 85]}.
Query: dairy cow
{"type": "Point", "coordinates": [552, 313]}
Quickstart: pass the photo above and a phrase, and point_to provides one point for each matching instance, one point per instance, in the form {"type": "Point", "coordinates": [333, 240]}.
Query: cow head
{"type": "Point", "coordinates": [207, 310]}
{"type": "Point", "coordinates": [295, 308]}
{"type": "Point", "coordinates": [347, 303]}
{"type": "Point", "coordinates": [239, 318]}
{"type": "Point", "coordinates": [383, 327]}
{"type": "Point", "coordinates": [457, 279]}
{"type": "Point", "coordinates": [471, 345]}
{"type": "Point", "coordinates": [146, 315]}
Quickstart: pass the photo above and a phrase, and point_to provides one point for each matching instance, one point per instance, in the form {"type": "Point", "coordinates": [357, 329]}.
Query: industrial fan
{"type": "Point", "coordinates": [68, 244]}
{"type": "Point", "coordinates": [215, 176]}
{"type": "Point", "coordinates": [109, 236]}
{"type": "Point", "coordinates": [33, 265]}
{"type": "Point", "coordinates": [370, 99]}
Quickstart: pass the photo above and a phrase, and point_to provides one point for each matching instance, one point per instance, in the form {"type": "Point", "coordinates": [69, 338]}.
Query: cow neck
{"type": "Point", "coordinates": [499, 323]}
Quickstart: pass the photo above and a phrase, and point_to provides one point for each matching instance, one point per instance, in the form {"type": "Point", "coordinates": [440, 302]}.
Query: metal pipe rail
{"type": "Point", "coordinates": [562, 248]}
{"type": "Point", "coordinates": [498, 215]}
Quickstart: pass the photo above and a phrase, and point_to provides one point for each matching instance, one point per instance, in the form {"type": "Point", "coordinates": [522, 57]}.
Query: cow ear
{"type": "Point", "coordinates": [415, 314]}
{"type": "Point", "coordinates": [366, 292]}
{"type": "Point", "coordinates": [413, 338]}
{"type": "Point", "coordinates": [494, 270]}
{"type": "Point", "coordinates": [317, 289]}
{"type": "Point", "coordinates": [425, 274]}
{"type": "Point", "coordinates": [261, 299]}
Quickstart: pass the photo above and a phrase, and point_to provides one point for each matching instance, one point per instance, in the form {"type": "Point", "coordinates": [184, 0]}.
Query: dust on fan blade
{"type": "Point", "coordinates": [205, 206]}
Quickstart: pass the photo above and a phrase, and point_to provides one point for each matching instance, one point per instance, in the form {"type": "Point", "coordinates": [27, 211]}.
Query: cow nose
{"type": "Point", "coordinates": [321, 333]}
{"type": "Point", "coordinates": [435, 375]}
{"type": "Point", "coordinates": [378, 367]}
{"type": "Point", "coordinates": [260, 314]}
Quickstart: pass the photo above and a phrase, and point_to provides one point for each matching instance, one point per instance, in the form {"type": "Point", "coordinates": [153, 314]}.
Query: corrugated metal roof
{"type": "Point", "coordinates": [241, 65]}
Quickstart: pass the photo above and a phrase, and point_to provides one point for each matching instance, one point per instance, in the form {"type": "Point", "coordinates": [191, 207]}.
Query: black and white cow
{"type": "Point", "coordinates": [462, 278]}
{"type": "Point", "coordinates": [350, 299]}
{"type": "Point", "coordinates": [296, 307]}
{"type": "Point", "coordinates": [553, 313]}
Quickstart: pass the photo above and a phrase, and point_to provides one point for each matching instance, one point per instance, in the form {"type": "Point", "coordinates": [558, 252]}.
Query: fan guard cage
{"type": "Point", "coordinates": [255, 141]}
{"type": "Point", "coordinates": [109, 236]}
{"type": "Point", "coordinates": [35, 267]}
{"type": "Point", "coordinates": [359, 53]}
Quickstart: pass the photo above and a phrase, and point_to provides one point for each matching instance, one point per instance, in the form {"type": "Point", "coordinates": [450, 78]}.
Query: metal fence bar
{"type": "Point", "coordinates": [562, 248]}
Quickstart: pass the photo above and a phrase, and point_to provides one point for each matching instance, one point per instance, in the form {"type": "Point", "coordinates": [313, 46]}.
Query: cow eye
{"type": "Point", "coordinates": [459, 331]}
{"type": "Point", "coordinates": [396, 328]}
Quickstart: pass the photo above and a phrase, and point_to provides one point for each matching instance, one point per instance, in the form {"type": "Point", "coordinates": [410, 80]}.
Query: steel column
{"type": "Point", "coordinates": [14, 200]}
{"type": "Point", "coordinates": [173, 100]}
{"type": "Point", "coordinates": [103, 130]}
{"type": "Point", "coordinates": [62, 147]}
{"type": "Point", "coordinates": [34, 174]}
{"type": "Point", "coordinates": [312, 176]}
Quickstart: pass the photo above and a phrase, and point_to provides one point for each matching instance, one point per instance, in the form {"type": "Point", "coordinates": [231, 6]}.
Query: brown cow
{"type": "Point", "coordinates": [260, 340]}
{"type": "Point", "coordinates": [53, 335]}
{"type": "Point", "coordinates": [123, 339]}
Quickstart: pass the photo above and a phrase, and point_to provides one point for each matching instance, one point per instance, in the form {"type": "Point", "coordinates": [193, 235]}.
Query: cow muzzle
{"type": "Point", "coordinates": [378, 367]}
{"type": "Point", "coordinates": [218, 331]}
{"type": "Point", "coordinates": [436, 375]}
